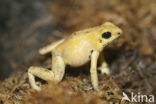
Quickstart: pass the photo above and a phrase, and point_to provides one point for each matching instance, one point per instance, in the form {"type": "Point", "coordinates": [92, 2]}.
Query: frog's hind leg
{"type": "Point", "coordinates": [50, 47]}
{"type": "Point", "coordinates": [58, 67]}
{"type": "Point", "coordinates": [40, 72]}
{"type": "Point", "coordinates": [56, 74]}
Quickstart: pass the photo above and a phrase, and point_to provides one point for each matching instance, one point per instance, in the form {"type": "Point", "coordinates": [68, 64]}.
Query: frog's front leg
{"type": "Point", "coordinates": [93, 69]}
{"type": "Point", "coordinates": [56, 74]}
{"type": "Point", "coordinates": [104, 67]}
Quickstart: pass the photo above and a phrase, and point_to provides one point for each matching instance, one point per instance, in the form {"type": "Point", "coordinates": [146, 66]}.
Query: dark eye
{"type": "Point", "coordinates": [106, 35]}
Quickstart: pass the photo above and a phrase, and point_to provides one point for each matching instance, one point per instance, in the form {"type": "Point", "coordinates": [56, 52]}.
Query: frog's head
{"type": "Point", "coordinates": [107, 33]}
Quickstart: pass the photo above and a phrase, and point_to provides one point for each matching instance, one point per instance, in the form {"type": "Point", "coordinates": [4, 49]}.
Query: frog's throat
{"type": "Point", "coordinates": [110, 42]}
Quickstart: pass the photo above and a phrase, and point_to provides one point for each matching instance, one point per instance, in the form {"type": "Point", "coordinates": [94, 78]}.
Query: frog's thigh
{"type": "Point", "coordinates": [58, 67]}
{"type": "Point", "coordinates": [104, 67]}
{"type": "Point", "coordinates": [50, 47]}
{"type": "Point", "coordinates": [40, 72]}
{"type": "Point", "coordinates": [93, 69]}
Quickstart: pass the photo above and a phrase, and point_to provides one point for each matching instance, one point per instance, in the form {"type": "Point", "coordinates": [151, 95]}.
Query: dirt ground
{"type": "Point", "coordinates": [132, 58]}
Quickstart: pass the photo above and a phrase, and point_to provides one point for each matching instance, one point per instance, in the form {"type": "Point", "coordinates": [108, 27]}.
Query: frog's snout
{"type": "Point", "coordinates": [119, 32]}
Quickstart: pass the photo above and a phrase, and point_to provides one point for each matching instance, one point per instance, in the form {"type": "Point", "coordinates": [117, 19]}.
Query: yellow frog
{"type": "Point", "coordinates": [76, 50]}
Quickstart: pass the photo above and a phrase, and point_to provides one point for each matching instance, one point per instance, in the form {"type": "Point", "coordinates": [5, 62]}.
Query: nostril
{"type": "Point", "coordinates": [118, 33]}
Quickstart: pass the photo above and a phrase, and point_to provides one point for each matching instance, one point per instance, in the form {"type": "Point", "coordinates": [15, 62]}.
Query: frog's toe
{"type": "Point", "coordinates": [36, 88]}
{"type": "Point", "coordinates": [104, 70]}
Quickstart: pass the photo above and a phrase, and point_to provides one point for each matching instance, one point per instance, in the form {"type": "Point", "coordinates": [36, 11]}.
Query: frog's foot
{"type": "Point", "coordinates": [42, 73]}
{"type": "Point", "coordinates": [104, 69]}
{"type": "Point", "coordinates": [55, 75]}
{"type": "Point", "coordinates": [32, 82]}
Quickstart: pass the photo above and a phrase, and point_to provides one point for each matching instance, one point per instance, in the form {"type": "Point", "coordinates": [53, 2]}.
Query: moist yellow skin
{"type": "Point", "coordinates": [76, 50]}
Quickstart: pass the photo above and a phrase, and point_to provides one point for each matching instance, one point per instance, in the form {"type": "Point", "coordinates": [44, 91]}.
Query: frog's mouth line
{"type": "Point", "coordinates": [111, 41]}
{"type": "Point", "coordinates": [117, 38]}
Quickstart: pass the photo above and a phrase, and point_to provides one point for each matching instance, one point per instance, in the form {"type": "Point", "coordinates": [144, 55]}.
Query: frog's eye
{"type": "Point", "coordinates": [106, 35]}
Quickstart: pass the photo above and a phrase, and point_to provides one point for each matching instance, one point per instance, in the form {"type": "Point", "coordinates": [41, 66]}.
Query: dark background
{"type": "Point", "coordinates": [24, 27]}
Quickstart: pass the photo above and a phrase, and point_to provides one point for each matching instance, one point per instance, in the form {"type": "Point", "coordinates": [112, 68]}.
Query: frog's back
{"type": "Point", "coordinates": [76, 49]}
{"type": "Point", "coordinates": [84, 32]}
{"type": "Point", "coordinates": [77, 37]}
